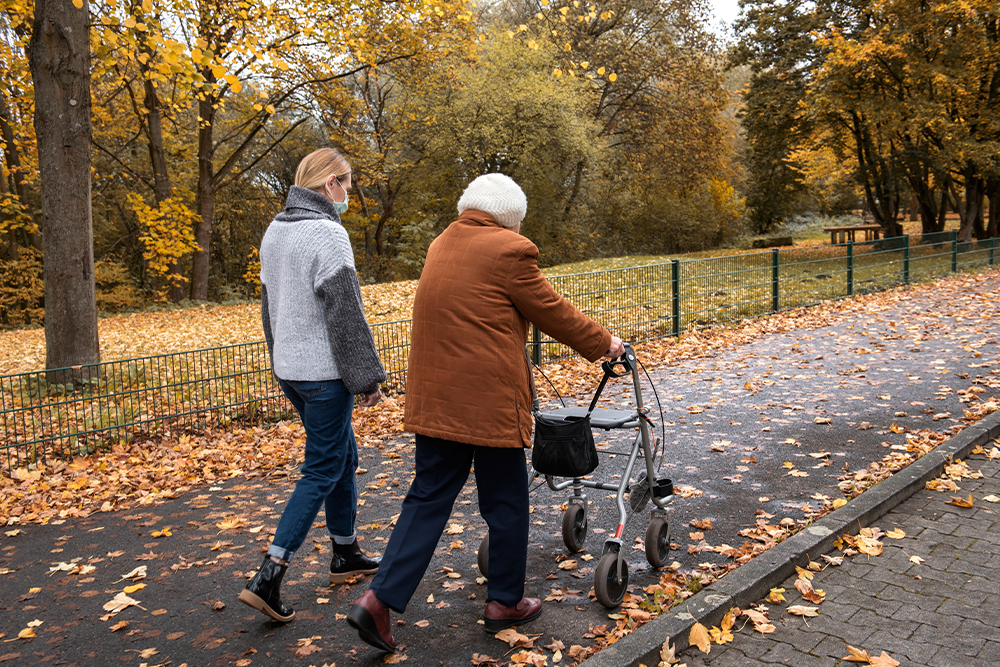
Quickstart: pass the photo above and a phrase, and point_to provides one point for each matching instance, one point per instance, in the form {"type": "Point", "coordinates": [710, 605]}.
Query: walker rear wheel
{"type": "Point", "coordinates": [574, 527]}
{"type": "Point", "coordinates": [608, 588]}
{"type": "Point", "coordinates": [658, 541]}
{"type": "Point", "coordinates": [483, 557]}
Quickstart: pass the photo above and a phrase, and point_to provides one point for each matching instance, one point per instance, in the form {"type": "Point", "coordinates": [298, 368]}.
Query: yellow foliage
{"type": "Point", "coordinates": [252, 275]}
{"type": "Point", "coordinates": [167, 234]}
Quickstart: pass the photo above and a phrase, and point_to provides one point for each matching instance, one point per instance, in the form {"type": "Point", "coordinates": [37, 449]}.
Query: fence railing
{"type": "Point", "coordinates": [70, 412]}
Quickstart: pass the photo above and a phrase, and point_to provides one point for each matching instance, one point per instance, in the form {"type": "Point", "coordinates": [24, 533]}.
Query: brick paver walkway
{"type": "Point", "coordinates": [942, 612]}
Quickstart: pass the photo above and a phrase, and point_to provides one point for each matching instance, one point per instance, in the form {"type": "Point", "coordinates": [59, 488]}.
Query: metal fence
{"type": "Point", "coordinates": [71, 412]}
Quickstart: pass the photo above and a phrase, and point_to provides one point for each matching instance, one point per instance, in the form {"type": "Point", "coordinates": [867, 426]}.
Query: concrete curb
{"type": "Point", "coordinates": [751, 582]}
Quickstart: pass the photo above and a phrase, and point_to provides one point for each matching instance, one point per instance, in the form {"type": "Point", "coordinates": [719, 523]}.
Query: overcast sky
{"type": "Point", "coordinates": [725, 10]}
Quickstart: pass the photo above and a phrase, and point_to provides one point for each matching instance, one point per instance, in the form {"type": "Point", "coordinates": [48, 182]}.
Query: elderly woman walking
{"type": "Point", "coordinates": [324, 354]}
{"type": "Point", "coordinates": [468, 400]}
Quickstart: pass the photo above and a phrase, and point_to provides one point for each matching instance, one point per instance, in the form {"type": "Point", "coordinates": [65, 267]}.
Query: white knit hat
{"type": "Point", "coordinates": [497, 195]}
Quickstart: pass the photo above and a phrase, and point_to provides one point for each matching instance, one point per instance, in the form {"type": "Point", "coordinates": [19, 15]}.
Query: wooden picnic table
{"type": "Point", "coordinates": [845, 234]}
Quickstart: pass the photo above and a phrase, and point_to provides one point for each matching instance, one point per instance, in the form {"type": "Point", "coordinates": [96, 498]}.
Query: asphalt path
{"type": "Point", "coordinates": [910, 364]}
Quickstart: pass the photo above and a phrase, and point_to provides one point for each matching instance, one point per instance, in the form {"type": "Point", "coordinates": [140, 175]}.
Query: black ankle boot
{"type": "Point", "coordinates": [349, 561]}
{"type": "Point", "coordinates": [263, 591]}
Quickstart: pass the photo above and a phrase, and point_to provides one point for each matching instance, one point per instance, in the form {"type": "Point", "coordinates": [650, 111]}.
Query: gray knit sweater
{"type": "Point", "coordinates": [314, 321]}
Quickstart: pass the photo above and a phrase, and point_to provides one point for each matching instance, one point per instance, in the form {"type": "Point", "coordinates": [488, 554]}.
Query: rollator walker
{"type": "Point", "coordinates": [611, 576]}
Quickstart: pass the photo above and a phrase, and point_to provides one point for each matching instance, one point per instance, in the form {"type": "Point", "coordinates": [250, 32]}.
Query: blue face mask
{"type": "Point", "coordinates": [341, 207]}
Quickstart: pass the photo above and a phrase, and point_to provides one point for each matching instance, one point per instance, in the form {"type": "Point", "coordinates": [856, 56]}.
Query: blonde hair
{"type": "Point", "coordinates": [317, 167]}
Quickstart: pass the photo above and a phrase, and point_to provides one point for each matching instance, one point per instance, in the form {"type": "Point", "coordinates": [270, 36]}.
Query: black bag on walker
{"type": "Point", "coordinates": [563, 448]}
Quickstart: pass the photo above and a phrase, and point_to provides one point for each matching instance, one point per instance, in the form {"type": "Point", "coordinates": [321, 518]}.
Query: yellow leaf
{"type": "Point", "coordinates": [699, 637]}
{"type": "Point", "coordinates": [960, 502]}
{"type": "Point", "coordinates": [612, 77]}
{"type": "Point", "coordinates": [884, 660]}
{"type": "Point", "coordinates": [895, 534]}
{"type": "Point", "coordinates": [838, 503]}
{"type": "Point", "coordinates": [132, 589]}
{"type": "Point", "coordinates": [856, 655]}
{"type": "Point", "coordinates": [775, 596]}
{"type": "Point", "coordinates": [600, 71]}
{"type": "Point", "coordinates": [78, 4]}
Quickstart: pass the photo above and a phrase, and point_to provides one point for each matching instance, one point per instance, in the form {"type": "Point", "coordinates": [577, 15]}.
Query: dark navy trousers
{"type": "Point", "coordinates": [442, 469]}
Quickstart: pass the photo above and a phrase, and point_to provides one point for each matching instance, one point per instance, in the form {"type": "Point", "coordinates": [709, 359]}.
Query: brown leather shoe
{"type": "Point", "coordinates": [371, 619]}
{"type": "Point", "coordinates": [498, 617]}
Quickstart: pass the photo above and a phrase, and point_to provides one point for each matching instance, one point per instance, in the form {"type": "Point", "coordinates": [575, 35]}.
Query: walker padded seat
{"type": "Point", "coordinates": [600, 418]}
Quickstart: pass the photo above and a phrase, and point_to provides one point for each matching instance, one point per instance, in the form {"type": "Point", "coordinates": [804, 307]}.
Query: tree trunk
{"type": "Point", "coordinates": [12, 250]}
{"type": "Point", "coordinates": [59, 56]}
{"type": "Point", "coordinates": [993, 192]}
{"type": "Point", "coordinates": [969, 210]}
{"type": "Point", "coordinates": [13, 158]}
{"type": "Point", "coordinates": [943, 209]}
{"type": "Point", "coordinates": [161, 176]}
{"type": "Point", "coordinates": [206, 199]}
{"type": "Point", "coordinates": [914, 208]}
{"type": "Point", "coordinates": [925, 205]}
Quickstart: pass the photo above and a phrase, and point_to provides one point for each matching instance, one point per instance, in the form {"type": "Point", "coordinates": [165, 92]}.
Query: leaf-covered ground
{"type": "Point", "coordinates": [767, 423]}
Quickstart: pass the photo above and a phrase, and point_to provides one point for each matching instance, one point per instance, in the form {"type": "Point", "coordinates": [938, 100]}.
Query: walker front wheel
{"type": "Point", "coordinates": [483, 557]}
{"type": "Point", "coordinates": [608, 588]}
{"type": "Point", "coordinates": [658, 541]}
{"type": "Point", "coordinates": [574, 527]}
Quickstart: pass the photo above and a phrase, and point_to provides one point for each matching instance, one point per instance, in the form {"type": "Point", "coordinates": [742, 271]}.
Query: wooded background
{"type": "Point", "coordinates": [631, 127]}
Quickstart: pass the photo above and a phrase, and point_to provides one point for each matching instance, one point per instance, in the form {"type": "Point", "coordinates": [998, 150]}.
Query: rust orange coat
{"type": "Point", "coordinates": [467, 376]}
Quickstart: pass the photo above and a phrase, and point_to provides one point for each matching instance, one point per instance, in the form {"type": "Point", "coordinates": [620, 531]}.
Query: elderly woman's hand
{"type": "Point", "coordinates": [617, 349]}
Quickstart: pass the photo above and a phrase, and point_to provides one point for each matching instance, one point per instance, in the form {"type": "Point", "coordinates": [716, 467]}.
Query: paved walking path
{"type": "Point", "coordinates": [824, 398]}
{"type": "Point", "coordinates": [941, 611]}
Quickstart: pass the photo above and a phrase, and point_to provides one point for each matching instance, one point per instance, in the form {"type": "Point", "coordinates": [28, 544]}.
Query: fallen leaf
{"type": "Point", "coordinates": [917, 560]}
{"type": "Point", "coordinates": [132, 589]}
{"type": "Point", "coordinates": [394, 658]}
{"type": "Point", "coordinates": [856, 655]}
{"type": "Point", "coordinates": [960, 502]}
{"type": "Point", "coordinates": [884, 660]}
{"type": "Point", "coordinates": [895, 534]}
{"type": "Point", "coordinates": [513, 637]}
{"type": "Point", "coordinates": [118, 626]}
{"type": "Point", "coordinates": [991, 498]}
{"type": "Point", "coordinates": [800, 610]}
{"type": "Point", "coordinates": [699, 637]}
{"type": "Point", "coordinates": [422, 624]}
{"type": "Point", "coordinates": [775, 596]}
{"type": "Point", "coordinates": [119, 602]}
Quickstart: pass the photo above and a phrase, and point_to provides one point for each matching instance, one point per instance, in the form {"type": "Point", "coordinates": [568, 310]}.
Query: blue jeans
{"type": "Point", "coordinates": [328, 473]}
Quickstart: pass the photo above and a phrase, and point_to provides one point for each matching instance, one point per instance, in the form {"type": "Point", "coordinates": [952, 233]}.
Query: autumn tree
{"type": "Point", "coordinates": [909, 89]}
{"type": "Point", "coordinates": [654, 85]}
{"type": "Point", "coordinates": [59, 55]}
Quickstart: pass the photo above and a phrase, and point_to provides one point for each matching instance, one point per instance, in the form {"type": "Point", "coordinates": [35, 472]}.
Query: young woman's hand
{"type": "Point", "coordinates": [371, 399]}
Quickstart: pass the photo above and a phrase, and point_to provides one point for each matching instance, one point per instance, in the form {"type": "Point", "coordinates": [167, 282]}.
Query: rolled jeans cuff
{"type": "Point", "coordinates": [280, 552]}
{"type": "Point", "coordinates": [344, 541]}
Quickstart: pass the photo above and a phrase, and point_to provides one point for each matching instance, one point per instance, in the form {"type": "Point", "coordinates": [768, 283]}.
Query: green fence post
{"type": "Point", "coordinates": [954, 251]}
{"type": "Point", "coordinates": [850, 268]}
{"type": "Point", "coordinates": [906, 258]}
{"type": "Point", "coordinates": [675, 290]}
{"type": "Point", "coordinates": [775, 284]}
{"type": "Point", "coordinates": [993, 244]}
{"type": "Point", "coordinates": [536, 346]}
